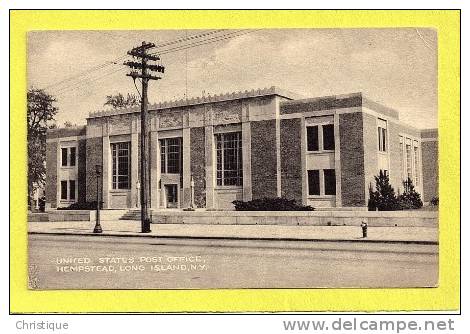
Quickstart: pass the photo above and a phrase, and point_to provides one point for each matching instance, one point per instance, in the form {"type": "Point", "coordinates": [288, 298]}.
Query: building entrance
{"type": "Point", "coordinates": [171, 194]}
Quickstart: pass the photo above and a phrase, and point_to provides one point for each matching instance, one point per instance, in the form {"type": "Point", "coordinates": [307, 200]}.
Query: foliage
{"type": "Point", "coordinates": [40, 111]}
{"type": "Point", "coordinates": [81, 206]}
{"type": "Point", "coordinates": [119, 101]}
{"type": "Point", "coordinates": [410, 199]}
{"type": "Point", "coordinates": [271, 204]}
{"type": "Point", "coordinates": [435, 201]}
{"type": "Point", "coordinates": [383, 198]}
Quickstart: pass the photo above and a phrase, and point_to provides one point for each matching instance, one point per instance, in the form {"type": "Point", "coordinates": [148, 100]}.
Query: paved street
{"type": "Point", "coordinates": [106, 262]}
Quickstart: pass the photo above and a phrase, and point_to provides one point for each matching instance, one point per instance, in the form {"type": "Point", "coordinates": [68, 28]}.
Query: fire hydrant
{"type": "Point", "coordinates": [364, 229]}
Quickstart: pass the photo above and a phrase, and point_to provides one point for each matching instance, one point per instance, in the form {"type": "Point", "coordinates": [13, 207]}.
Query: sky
{"type": "Point", "coordinates": [395, 67]}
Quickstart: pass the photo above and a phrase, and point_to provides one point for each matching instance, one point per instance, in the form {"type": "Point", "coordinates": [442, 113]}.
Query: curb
{"type": "Point", "coordinates": [142, 235]}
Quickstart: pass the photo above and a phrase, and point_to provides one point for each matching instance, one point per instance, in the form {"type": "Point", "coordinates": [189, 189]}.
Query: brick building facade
{"type": "Point", "coordinates": [321, 151]}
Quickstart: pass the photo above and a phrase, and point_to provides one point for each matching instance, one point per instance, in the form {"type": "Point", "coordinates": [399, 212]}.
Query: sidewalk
{"type": "Point", "coordinates": [418, 235]}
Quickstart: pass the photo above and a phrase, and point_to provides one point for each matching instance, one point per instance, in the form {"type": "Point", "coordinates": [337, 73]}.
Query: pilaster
{"type": "Point", "coordinates": [106, 165]}
{"type": "Point", "coordinates": [246, 152]}
{"type": "Point", "coordinates": [209, 157]}
{"type": "Point", "coordinates": [337, 161]}
{"type": "Point", "coordinates": [186, 162]}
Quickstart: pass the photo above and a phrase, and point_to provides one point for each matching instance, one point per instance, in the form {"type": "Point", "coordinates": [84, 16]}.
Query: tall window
{"type": "Point", "coordinates": [229, 159]}
{"type": "Point", "coordinates": [171, 155]}
{"type": "Point", "coordinates": [68, 156]}
{"type": "Point", "coordinates": [313, 182]}
{"type": "Point", "coordinates": [73, 156]}
{"type": "Point", "coordinates": [328, 137]}
{"type": "Point", "coordinates": [312, 138]}
{"type": "Point", "coordinates": [63, 190]}
{"type": "Point", "coordinates": [409, 171]}
{"type": "Point", "coordinates": [382, 135]}
{"type": "Point", "coordinates": [64, 156]}
{"type": "Point", "coordinates": [327, 134]}
{"type": "Point", "coordinates": [416, 164]}
{"type": "Point", "coordinates": [330, 181]}
{"type": "Point", "coordinates": [121, 165]}
{"type": "Point", "coordinates": [72, 189]}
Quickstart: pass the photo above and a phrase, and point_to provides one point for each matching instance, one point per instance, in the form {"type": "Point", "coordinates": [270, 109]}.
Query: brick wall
{"type": "Point", "coordinates": [430, 161]}
{"type": "Point", "coordinates": [263, 159]}
{"type": "Point", "coordinates": [81, 165]}
{"type": "Point", "coordinates": [321, 103]}
{"type": "Point", "coordinates": [291, 169]}
{"type": "Point", "coordinates": [51, 174]}
{"type": "Point", "coordinates": [371, 148]}
{"type": "Point", "coordinates": [352, 159]}
{"type": "Point", "coordinates": [396, 157]}
{"type": "Point", "coordinates": [94, 148]}
{"type": "Point", "coordinates": [198, 162]}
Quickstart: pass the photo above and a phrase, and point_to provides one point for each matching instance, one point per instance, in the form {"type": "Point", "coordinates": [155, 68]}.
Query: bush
{"type": "Point", "coordinates": [410, 199]}
{"type": "Point", "coordinates": [271, 204]}
{"type": "Point", "coordinates": [81, 206]}
{"type": "Point", "coordinates": [435, 201]}
{"type": "Point", "coordinates": [383, 198]}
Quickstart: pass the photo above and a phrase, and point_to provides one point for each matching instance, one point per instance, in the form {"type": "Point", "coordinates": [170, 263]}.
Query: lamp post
{"type": "Point", "coordinates": [98, 228]}
{"type": "Point", "coordinates": [192, 192]}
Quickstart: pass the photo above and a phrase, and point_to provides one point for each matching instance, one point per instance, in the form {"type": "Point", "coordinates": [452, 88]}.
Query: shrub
{"type": "Point", "coordinates": [81, 206]}
{"type": "Point", "coordinates": [410, 199]}
{"type": "Point", "coordinates": [271, 204]}
{"type": "Point", "coordinates": [383, 198]}
{"type": "Point", "coordinates": [435, 201]}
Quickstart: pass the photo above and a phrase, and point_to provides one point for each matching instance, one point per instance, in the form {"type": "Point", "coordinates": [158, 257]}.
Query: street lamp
{"type": "Point", "coordinates": [192, 192]}
{"type": "Point", "coordinates": [98, 228]}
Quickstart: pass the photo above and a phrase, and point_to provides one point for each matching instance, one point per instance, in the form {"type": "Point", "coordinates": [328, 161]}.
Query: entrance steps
{"type": "Point", "coordinates": [133, 214]}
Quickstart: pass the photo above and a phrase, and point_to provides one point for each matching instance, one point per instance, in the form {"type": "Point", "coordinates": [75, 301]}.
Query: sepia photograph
{"type": "Point", "coordinates": [233, 158]}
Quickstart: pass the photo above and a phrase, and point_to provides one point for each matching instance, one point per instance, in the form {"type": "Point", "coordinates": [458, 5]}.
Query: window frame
{"type": "Point", "coordinates": [221, 156]}
{"type": "Point", "coordinates": [382, 135]}
{"type": "Point", "coordinates": [320, 137]}
{"type": "Point", "coordinates": [115, 165]}
{"type": "Point", "coordinates": [324, 181]}
{"type": "Point", "coordinates": [165, 155]}
{"type": "Point", "coordinates": [321, 183]}
{"type": "Point", "coordinates": [311, 184]}
{"type": "Point", "coordinates": [62, 192]}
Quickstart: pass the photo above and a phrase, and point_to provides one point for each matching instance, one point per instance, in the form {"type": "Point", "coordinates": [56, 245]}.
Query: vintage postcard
{"type": "Point", "coordinates": [233, 158]}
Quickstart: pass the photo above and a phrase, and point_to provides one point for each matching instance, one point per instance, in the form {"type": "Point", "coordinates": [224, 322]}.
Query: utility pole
{"type": "Point", "coordinates": [144, 70]}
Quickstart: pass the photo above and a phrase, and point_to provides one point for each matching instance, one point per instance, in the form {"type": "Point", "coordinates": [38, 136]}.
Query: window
{"type": "Point", "coordinates": [171, 156]}
{"type": "Point", "coordinates": [416, 164]}
{"type": "Point", "coordinates": [328, 137]}
{"type": "Point", "coordinates": [312, 138]}
{"type": "Point", "coordinates": [314, 182]}
{"type": "Point", "coordinates": [72, 189]}
{"type": "Point", "coordinates": [382, 135]}
{"type": "Point", "coordinates": [229, 159]}
{"type": "Point", "coordinates": [409, 171]}
{"type": "Point", "coordinates": [64, 156]}
{"type": "Point", "coordinates": [63, 190]}
{"type": "Point", "coordinates": [330, 181]}
{"type": "Point", "coordinates": [68, 156]}
{"type": "Point", "coordinates": [73, 155]}
{"type": "Point", "coordinates": [121, 165]}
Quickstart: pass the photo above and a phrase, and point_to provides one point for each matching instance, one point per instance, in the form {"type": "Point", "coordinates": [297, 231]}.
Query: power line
{"type": "Point", "coordinates": [204, 42]}
{"type": "Point", "coordinates": [175, 49]}
{"type": "Point", "coordinates": [115, 61]}
{"type": "Point", "coordinates": [83, 83]}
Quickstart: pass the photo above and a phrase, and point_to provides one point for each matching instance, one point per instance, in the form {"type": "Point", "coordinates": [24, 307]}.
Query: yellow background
{"type": "Point", "coordinates": [445, 297]}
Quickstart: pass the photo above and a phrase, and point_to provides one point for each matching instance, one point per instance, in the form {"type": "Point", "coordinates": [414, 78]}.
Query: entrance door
{"type": "Point", "coordinates": [171, 192]}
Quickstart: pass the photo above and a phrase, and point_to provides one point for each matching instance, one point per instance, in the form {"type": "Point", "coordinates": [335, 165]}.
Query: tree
{"type": "Point", "coordinates": [383, 198]}
{"type": "Point", "coordinates": [40, 111]}
{"type": "Point", "coordinates": [119, 101]}
{"type": "Point", "coordinates": [410, 199]}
